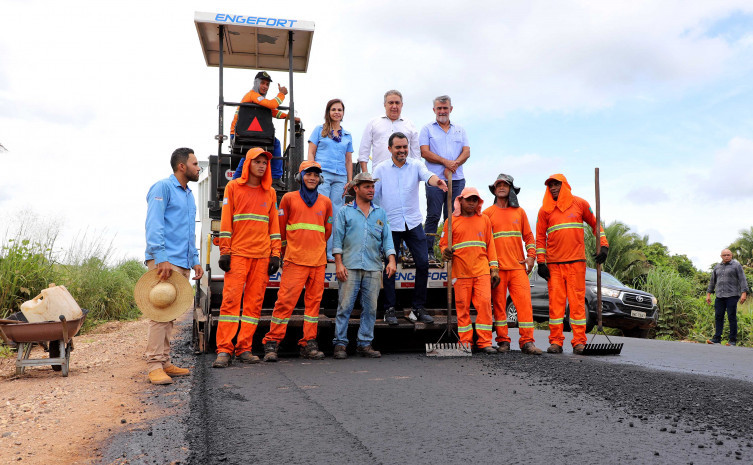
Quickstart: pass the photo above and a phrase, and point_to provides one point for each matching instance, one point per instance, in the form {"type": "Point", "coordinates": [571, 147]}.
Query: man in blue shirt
{"type": "Point", "coordinates": [445, 148]}
{"type": "Point", "coordinates": [397, 193]}
{"type": "Point", "coordinates": [170, 246]}
{"type": "Point", "coordinates": [362, 234]}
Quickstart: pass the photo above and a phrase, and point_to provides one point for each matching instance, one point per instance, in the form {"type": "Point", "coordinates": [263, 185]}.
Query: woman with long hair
{"type": "Point", "coordinates": [331, 146]}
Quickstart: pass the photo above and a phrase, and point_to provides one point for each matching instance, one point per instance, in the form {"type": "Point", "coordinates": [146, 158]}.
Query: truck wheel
{"type": "Point", "coordinates": [512, 315]}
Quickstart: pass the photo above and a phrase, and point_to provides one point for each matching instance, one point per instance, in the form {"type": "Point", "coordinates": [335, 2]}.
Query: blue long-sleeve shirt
{"type": "Point", "coordinates": [171, 224]}
{"type": "Point", "coordinates": [361, 239]}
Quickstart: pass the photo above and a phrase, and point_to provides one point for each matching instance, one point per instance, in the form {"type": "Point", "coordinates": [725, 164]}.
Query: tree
{"type": "Point", "coordinates": [626, 260]}
{"type": "Point", "coordinates": [742, 247]}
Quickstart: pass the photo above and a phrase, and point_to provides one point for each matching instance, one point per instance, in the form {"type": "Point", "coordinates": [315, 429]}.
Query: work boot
{"type": "Point", "coordinates": [529, 348]}
{"type": "Point", "coordinates": [554, 349]}
{"type": "Point", "coordinates": [340, 352]}
{"type": "Point", "coordinates": [709, 341]}
{"type": "Point", "coordinates": [420, 314]}
{"type": "Point", "coordinates": [248, 357]}
{"type": "Point", "coordinates": [311, 350]}
{"type": "Point", "coordinates": [368, 351]}
{"type": "Point", "coordinates": [222, 360]}
{"type": "Point", "coordinates": [503, 347]}
{"type": "Point", "coordinates": [731, 344]}
{"type": "Point", "coordinates": [390, 317]}
{"type": "Point", "coordinates": [270, 351]}
{"type": "Point", "coordinates": [159, 376]}
{"type": "Point", "coordinates": [279, 184]}
{"type": "Point", "coordinates": [488, 350]}
{"type": "Point", "coordinates": [172, 370]}
{"type": "Point", "coordinates": [578, 349]}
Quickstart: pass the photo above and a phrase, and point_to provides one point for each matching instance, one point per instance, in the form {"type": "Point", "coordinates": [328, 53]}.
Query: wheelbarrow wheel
{"type": "Point", "coordinates": [67, 361]}
{"type": "Point", "coordinates": [54, 350]}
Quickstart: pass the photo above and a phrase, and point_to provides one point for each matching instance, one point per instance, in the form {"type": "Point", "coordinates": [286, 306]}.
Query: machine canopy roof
{"type": "Point", "coordinates": [254, 42]}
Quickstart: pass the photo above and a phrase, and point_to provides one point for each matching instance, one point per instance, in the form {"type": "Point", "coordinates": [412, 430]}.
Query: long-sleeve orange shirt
{"type": "Point", "coordinates": [249, 226]}
{"type": "Point", "coordinates": [257, 98]}
{"type": "Point", "coordinates": [559, 234]}
{"type": "Point", "coordinates": [305, 229]}
{"type": "Point", "coordinates": [511, 229]}
{"type": "Point", "coordinates": [473, 242]}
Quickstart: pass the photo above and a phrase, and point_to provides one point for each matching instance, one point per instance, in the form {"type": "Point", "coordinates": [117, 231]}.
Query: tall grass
{"type": "Point", "coordinates": [677, 302]}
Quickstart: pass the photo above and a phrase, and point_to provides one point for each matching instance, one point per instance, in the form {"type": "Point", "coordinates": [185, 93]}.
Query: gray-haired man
{"type": "Point", "coordinates": [729, 283]}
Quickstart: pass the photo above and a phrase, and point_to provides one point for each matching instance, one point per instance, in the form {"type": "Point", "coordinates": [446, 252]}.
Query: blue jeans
{"type": "Point", "coordinates": [436, 205]}
{"type": "Point", "coordinates": [726, 305]}
{"type": "Point", "coordinates": [368, 282]}
{"type": "Point", "coordinates": [276, 164]}
{"type": "Point", "coordinates": [332, 187]}
{"type": "Point", "coordinates": [415, 239]}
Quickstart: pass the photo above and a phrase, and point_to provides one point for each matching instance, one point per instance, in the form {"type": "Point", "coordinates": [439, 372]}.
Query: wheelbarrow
{"type": "Point", "coordinates": [57, 335]}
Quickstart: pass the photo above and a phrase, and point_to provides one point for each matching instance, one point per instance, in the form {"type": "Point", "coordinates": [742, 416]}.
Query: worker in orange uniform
{"type": "Point", "coordinates": [250, 252]}
{"type": "Point", "coordinates": [305, 225]}
{"type": "Point", "coordinates": [511, 232]}
{"type": "Point", "coordinates": [474, 267]}
{"type": "Point", "coordinates": [561, 255]}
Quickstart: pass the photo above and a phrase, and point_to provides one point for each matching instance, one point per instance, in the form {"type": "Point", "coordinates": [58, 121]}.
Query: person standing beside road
{"type": "Point", "coordinates": [331, 146]}
{"type": "Point", "coordinates": [249, 254]}
{"type": "Point", "coordinates": [170, 246]}
{"type": "Point", "coordinates": [397, 193]}
{"type": "Point", "coordinates": [444, 146]}
{"type": "Point", "coordinates": [305, 219]}
{"type": "Point", "coordinates": [475, 269]}
{"type": "Point", "coordinates": [511, 232]}
{"type": "Point", "coordinates": [362, 235]}
{"type": "Point", "coordinates": [379, 129]}
{"type": "Point", "coordinates": [561, 254]}
{"type": "Point", "coordinates": [730, 286]}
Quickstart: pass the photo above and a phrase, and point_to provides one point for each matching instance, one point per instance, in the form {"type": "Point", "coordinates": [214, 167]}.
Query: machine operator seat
{"type": "Point", "coordinates": [254, 128]}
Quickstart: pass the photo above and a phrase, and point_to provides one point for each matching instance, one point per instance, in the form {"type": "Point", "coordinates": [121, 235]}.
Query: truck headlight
{"type": "Point", "coordinates": [654, 300]}
{"type": "Point", "coordinates": [607, 291]}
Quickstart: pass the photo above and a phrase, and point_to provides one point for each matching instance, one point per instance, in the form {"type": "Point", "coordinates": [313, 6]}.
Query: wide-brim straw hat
{"type": "Point", "coordinates": [163, 300]}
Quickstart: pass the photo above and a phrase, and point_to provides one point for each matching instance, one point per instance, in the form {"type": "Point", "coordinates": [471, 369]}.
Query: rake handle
{"type": "Point", "coordinates": [598, 248]}
{"type": "Point", "coordinates": [449, 244]}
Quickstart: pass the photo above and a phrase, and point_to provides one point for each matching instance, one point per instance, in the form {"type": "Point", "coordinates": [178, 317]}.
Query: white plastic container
{"type": "Point", "coordinates": [50, 304]}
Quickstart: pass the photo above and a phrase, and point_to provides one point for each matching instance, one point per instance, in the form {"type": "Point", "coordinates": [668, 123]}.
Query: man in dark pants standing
{"type": "Point", "coordinates": [729, 284]}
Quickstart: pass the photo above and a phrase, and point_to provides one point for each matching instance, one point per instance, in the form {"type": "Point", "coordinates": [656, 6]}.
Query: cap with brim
{"type": "Point", "coordinates": [256, 152]}
{"type": "Point", "coordinates": [467, 192]}
{"type": "Point", "coordinates": [310, 166]}
{"type": "Point", "coordinates": [264, 76]}
{"type": "Point", "coordinates": [358, 179]}
{"type": "Point", "coordinates": [163, 301]}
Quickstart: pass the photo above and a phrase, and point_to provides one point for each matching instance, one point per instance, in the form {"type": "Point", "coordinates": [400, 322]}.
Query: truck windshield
{"type": "Point", "coordinates": [606, 278]}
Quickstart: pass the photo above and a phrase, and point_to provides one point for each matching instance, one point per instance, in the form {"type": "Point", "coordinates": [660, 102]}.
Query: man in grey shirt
{"type": "Point", "coordinates": [729, 284]}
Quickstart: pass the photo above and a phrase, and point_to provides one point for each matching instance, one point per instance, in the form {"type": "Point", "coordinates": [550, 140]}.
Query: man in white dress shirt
{"type": "Point", "coordinates": [377, 132]}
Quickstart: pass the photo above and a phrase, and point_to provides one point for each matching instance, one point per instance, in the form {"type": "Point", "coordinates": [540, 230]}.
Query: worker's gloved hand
{"type": "Point", "coordinates": [601, 257]}
{"type": "Point", "coordinates": [274, 265]}
{"type": "Point", "coordinates": [495, 277]}
{"type": "Point", "coordinates": [447, 253]}
{"type": "Point", "coordinates": [224, 263]}
{"type": "Point", "coordinates": [543, 271]}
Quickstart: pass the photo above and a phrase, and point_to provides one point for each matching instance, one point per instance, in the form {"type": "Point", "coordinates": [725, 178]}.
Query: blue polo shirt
{"type": "Point", "coordinates": [445, 144]}
{"type": "Point", "coordinates": [360, 239]}
{"type": "Point", "coordinates": [330, 154]}
{"type": "Point", "coordinates": [171, 224]}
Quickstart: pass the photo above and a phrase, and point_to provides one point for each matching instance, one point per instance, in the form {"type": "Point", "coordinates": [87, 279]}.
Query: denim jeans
{"type": "Point", "coordinates": [415, 239]}
{"type": "Point", "coordinates": [368, 282]}
{"type": "Point", "coordinates": [726, 305]}
{"type": "Point", "coordinates": [436, 207]}
{"type": "Point", "coordinates": [332, 188]}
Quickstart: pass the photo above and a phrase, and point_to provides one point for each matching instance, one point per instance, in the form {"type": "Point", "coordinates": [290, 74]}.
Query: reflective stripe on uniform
{"type": "Point", "coordinates": [482, 327]}
{"type": "Point", "coordinates": [540, 251]}
{"type": "Point", "coordinates": [508, 234]}
{"type": "Point", "coordinates": [500, 323]}
{"type": "Point", "coordinates": [250, 320]}
{"type": "Point", "coordinates": [577, 322]}
{"type": "Point", "coordinates": [525, 325]}
{"type": "Point", "coordinates": [310, 319]}
{"type": "Point", "coordinates": [462, 245]}
{"type": "Point", "coordinates": [307, 226]}
{"type": "Point", "coordinates": [280, 321]}
{"type": "Point", "coordinates": [225, 234]}
{"type": "Point", "coordinates": [250, 217]}
{"type": "Point", "coordinates": [228, 319]}
{"type": "Point", "coordinates": [557, 321]}
{"type": "Point", "coordinates": [493, 263]}
{"type": "Point", "coordinates": [275, 237]}
{"type": "Point", "coordinates": [464, 329]}
{"type": "Point", "coordinates": [557, 227]}
{"type": "Point", "coordinates": [530, 246]}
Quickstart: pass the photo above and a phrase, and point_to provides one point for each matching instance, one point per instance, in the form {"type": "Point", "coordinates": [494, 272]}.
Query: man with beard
{"type": "Point", "coordinates": [305, 219]}
{"type": "Point", "coordinates": [170, 246]}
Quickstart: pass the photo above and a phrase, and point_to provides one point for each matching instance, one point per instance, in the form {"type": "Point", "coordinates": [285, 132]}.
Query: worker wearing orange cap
{"type": "Point", "coordinates": [511, 231]}
{"type": "Point", "coordinates": [249, 253]}
{"type": "Point", "coordinates": [561, 256]}
{"type": "Point", "coordinates": [305, 225]}
{"type": "Point", "coordinates": [474, 267]}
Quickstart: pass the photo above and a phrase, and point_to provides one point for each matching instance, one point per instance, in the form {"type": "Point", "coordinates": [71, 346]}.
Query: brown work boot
{"type": "Point", "coordinates": [222, 360]}
{"type": "Point", "coordinates": [554, 349]}
{"type": "Point", "coordinates": [159, 376]}
{"type": "Point", "coordinates": [311, 350]}
{"type": "Point", "coordinates": [368, 351]}
{"type": "Point", "coordinates": [529, 348]}
{"type": "Point", "coordinates": [270, 351]}
{"type": "Point", "coordinates": [172, 370]}
{"type": "Point", "coordinates": [248, 357]}
{"type": "Point", "coordinates": [578, 349]}
{"type": "Point", "coordinates": [488, 350]}
{"type": "Point", "coordinates": [340, 352]}
{"type": "Point", "coordinates": [503, 347]}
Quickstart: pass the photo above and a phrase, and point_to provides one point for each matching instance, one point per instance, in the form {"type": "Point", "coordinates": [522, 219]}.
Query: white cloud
{"type": "Point", "coordinates": [647, 195]}
{"type": "Point", "coordinates": [730, 172]}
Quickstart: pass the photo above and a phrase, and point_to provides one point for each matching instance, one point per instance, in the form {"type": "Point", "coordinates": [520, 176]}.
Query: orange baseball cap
{"type": "Point", "coordinates": [308, 164]}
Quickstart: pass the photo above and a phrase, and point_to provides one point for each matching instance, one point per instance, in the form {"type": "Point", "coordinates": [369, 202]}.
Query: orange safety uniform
{"type": "Point", "coordinates": [560, 244]}
{"type": "Point", "coordinates": [474, 254]}
{"type": "Point", "coordinates": [255, 97]}
{"type": "Point", "coordinates": [304, 231]}
{"type": "Point", "coordinates": [250, 234]}
{"type": "Point", "coordinates": [511, 230]}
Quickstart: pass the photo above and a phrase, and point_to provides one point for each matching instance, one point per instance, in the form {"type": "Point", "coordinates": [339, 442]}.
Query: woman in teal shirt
{"type": "Point", "coordinates": [332, 147]}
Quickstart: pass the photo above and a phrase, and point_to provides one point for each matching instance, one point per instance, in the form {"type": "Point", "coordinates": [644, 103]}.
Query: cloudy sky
{"type": "Point", "coordinates": [95, 96]}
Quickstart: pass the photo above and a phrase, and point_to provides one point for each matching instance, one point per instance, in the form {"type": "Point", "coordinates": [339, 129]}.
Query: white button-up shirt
{"type": "Point", "coordinates": [397, 192]}
{"type": "Point", "coordinates": [377, 134]}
